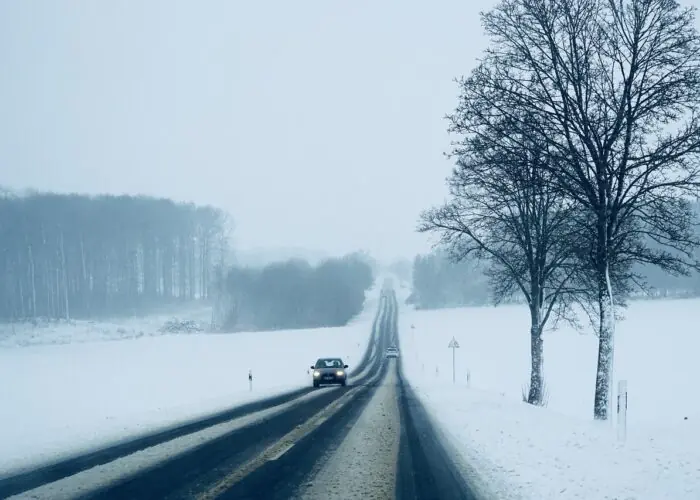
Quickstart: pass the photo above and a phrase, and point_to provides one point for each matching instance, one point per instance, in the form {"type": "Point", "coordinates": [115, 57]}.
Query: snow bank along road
{"type": "Point", "coordinates": [371, 439]}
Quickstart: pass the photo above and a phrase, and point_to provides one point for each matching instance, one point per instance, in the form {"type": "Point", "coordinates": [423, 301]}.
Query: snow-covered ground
{"type": "Point", "coordinates": [59, 397]}
{"type": "Point", "coordinates": [559, 452]}
{"type": "Point", "coordinates": [44, 332]}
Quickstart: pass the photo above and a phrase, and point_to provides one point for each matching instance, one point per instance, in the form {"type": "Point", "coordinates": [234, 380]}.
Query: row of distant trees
{"type": "Point", "coordinates": [77, 256]}
{"type": "Point", "coordinates": [440, 281]}
{"type": "Point", "coordinates": [295, 294]}
{"type": "Point", "coordinates": [577, 161]}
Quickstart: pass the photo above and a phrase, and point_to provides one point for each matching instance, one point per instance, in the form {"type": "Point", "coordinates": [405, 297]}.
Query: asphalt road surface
{"type": "Point", "coordinates": [369, 440]}
{"type": "Point", "coordinates": [365, 463]}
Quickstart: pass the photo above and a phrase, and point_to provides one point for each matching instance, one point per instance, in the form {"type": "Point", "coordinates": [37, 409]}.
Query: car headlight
{"type": "Point", "coordinates": [317, 373]}
{"type": "Point", "coordinates": [339, 373]}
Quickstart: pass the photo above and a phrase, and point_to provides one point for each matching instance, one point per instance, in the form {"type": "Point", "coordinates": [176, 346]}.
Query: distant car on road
{"type": "Point", "coordinates": [330, 371]}
{"type": "Point", "coordinates": [392, 352]}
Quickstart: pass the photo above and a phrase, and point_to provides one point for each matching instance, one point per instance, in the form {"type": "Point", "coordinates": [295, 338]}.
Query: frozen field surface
{"type": "Point", "coordinates": [43, 332]}
{"type": "Point", "coordinates": [559, 452]}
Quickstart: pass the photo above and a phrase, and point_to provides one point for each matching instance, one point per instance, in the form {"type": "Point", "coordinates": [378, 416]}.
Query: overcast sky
{"type": "Point", "coordinates": [316, 124]}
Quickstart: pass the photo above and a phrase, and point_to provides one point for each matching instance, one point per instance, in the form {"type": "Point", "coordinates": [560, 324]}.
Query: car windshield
{"type": "Point", "coordinates": [329, 363]}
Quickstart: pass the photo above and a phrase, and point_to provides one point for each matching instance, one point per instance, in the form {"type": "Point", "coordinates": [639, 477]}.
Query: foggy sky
{"type": "Point", "coordinates": [316, 124]}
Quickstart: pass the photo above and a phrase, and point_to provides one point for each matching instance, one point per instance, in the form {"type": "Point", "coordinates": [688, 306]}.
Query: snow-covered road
{"type": "Point", "coordinates": [365, 463]}
{"type": "Point", "coordinates": [102, 476]}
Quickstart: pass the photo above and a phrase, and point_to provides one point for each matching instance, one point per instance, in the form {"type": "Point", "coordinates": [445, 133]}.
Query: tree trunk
{"type": "Point", "coordinates": [57, 291]}
{"type": "Point", "coordinates": [21, 299]}
{"type": "Point", "coordinates": [536, 392]}
{"type": "Point", "coordinates": [169, 291]}
{"type": "Point", "coordinates": [64, 278]}
{"type": "Point", "coordinates": [181, 268]}
{"type": "Point", "coordinates": [606, 347]}
{"type": "Point", "coordinates": [32, 276]}
{"type": "Point", "coordinates": [85, 285]}
{"type": "Point", "coordinates": [191, 269]}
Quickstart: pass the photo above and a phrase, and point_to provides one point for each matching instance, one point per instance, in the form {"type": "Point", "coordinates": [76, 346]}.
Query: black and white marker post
{"type": "Point", "coordinates": [250, 380]}
{"type": "Point", "coordinates": [454, 345]}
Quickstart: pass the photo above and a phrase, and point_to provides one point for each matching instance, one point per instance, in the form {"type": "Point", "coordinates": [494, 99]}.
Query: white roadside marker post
{"type": "Point", "coordinates": [454, 345]}
{"type": "Point", "coordinates": [250, 380]}
{"type": "Point", "coordinates": [622, 410]}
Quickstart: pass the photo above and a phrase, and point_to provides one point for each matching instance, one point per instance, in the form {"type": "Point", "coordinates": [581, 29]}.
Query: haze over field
{"type": "Point", "coordinates": [315, 124]}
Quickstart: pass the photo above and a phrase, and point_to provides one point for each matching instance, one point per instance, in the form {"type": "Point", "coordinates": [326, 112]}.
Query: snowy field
{"type": "Point", "coordinates": [60, 397]}
{"type": "Point", "coordinates": [560, 452]}
{"type": "Point", "coordinates": [76, 331]}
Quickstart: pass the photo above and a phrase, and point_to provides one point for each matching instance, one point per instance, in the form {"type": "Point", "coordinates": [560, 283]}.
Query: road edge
{"type": "Point", "coordinates": [451, 471]}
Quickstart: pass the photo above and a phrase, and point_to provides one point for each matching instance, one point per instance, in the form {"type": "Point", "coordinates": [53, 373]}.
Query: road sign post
{"type": "Point", "coordinates": [453, 345]}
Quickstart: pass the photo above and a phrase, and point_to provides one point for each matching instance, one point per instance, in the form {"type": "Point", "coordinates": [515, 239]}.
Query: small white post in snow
{"type": "Point", "coordinates": [250, 380]}
{"type": "Point", "coordinates": [622, 410]}
{"type": "Point", "coordinates": [454, 345]}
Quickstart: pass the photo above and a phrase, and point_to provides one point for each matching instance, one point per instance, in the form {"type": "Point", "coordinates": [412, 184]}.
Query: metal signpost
{"type": "Point", "coordinates": [453, 345]}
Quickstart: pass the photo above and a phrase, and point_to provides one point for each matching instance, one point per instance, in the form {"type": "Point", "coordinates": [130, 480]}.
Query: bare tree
{"type": "Point", "coordinates": [615, 89]}
{"type": "Point", "coordinates": [504, 211]}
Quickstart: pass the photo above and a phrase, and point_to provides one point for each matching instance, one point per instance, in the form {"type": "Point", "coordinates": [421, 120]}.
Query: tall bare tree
{"type": "Point", "coordinates": [615, 89]}
{"type": "Point", "coordinates": [505, 211]}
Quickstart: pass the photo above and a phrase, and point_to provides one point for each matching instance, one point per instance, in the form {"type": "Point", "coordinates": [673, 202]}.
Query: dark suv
{"type": "Point", "coordinates": [330, 371]}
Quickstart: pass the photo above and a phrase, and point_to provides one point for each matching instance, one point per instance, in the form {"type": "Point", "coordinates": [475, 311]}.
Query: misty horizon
{"type": "Point", "coordinates": [320, 127]}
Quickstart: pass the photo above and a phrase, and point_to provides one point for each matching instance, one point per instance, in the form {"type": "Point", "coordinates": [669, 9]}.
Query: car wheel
{"type": "Point", "coordinates": [315, 384]}
{"type": "Point", "coordinates": [344, 383]}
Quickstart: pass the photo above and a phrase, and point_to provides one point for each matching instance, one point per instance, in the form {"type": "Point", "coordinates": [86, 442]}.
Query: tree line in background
{"type": "Point", "coordinates": [70, 256]}
{"type": "Point", "coordinates": [578, 161]}
{"type": "Point", "coordinates": [440, 281]}
{"type": "Point", "coordinates": [77, 256]}
{"type": "Point", "coordinates": [295, 294]}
